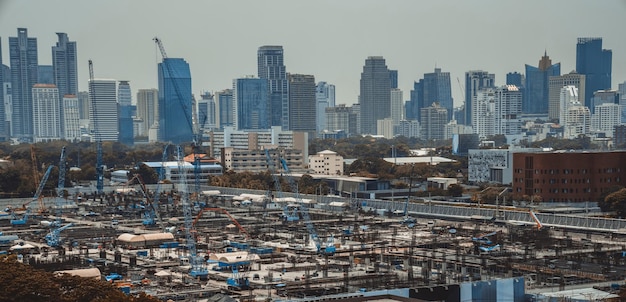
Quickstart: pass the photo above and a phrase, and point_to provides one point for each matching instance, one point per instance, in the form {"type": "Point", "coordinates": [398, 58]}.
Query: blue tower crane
{"type": "Point", "coordinates": [53, 238]}
{"type": "Point", "coordinates": [289, 214]}
{"type": "Point", "coordinates": [198, 270]}
{"type": "Point", "coordinates": [153, 208]}
{"type": "Point", "coordinates": [329, 248]}
{"type": "Point", "coordinates": [35, 197]}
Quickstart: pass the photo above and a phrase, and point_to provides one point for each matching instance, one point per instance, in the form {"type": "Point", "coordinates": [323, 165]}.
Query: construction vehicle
{"type": "Point", "coordinates": [37, 196]}
{"type": "Point", "coordinates": [198, 269]}
{"type": "Point", "coordinates": [96, 132]}
{"type": "Point", "coordinates": [328, 249]}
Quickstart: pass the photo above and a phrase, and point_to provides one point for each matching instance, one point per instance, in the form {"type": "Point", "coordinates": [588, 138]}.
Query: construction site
{"type": "Point", "coordinates": [184, 244]}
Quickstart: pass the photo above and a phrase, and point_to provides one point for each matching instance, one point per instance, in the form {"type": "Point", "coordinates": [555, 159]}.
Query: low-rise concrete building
{"type": "Point", "coordinates": [326, 162]}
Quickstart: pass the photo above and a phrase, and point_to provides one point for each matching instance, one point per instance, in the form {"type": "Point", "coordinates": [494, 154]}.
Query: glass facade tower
{"type": "Point", "coordinates": [272, 68]}
{"type": "Point", "coordinates": [251, 104]}
{"type": "Point", "coordinates": [536, 96]}
{"type": "Point", "coordinates": [175, 101]}
{"type": "Point", "coordinates": [23, 56]}
{"type": "Point", "coordinates": [595, 63]}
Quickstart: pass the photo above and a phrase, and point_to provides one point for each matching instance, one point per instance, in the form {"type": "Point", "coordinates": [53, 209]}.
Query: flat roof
{"type": "Point", "coordinates": [434, 160]}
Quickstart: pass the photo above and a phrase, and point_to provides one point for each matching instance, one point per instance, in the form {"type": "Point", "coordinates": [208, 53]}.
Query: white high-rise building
{"type": "Point", "coordinates": [408, 128]}
{"type": "Point", "coordinates": [397, 106]}
{"type": "Point", "coordinates": [497, 111]}
{"type": "Point", "coordinates": [605, 118]}
{"type": "Point", "coordinates": [578, 121]}
{"type": "Point", "coordinates": [147, 109]}
{"type": "Point", "coordinates": [324, 97]}
{"type": "Point", "coordinates": [567, 98]}
{"type": "Point", "coordinates": [71, 120]}
{"type": "Point", "coordinates": [103, 116]}
{"type": "Point", "coordinates": [385, 128]}
{"type": "Point", "coordinates": [46, 114]}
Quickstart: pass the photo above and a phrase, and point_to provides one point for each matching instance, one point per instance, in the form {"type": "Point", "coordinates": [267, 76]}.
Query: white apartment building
{"type": "Point", "coordinates": [605, 118]}
{"type": "Point", "coordinates": [46, 113]}
{"type": "Point", "coordinates": [385, 128]}
{"type": "Point", "coordinates": [71, 114]}
{"type": "Point", "coordinates": [103, 113]}
{"type": "Point", "coordinates": [257, 140]}
{"type": "Point", "coordinates": [497, 111]}
{"type": "Point", "coordinates": [326, 163]}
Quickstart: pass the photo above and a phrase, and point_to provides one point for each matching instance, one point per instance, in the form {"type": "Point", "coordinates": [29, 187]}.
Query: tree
{"type": "Point", "coordinates": [616, 201]}
{"type": "Point", "coordinates": [455, 190]}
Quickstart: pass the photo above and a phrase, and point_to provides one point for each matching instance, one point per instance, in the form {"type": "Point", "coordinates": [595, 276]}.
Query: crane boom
{"type": "Point", "coordinates": [223, 211]}
{"type": "Point", "coordinates": [61, 184]}
{"type": "Point", "coordinates": [96, 131]}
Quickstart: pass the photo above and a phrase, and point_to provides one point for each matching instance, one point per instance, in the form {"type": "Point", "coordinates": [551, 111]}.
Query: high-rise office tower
{"type": "Point", "coordinates": [574, 117]}
{"type": "Point", "coordinates": [433, 120]}
{"type": "Point", "coordinates": [64, 69]}
{"type": "Point", "coordinates": [497, 111]}
{"type": "Point", "coordinates": [206, 111]}
{"type": "Point", "coordinates": [148, 109]}
{"type": "Point", "coordinates": [225, 108]}
{"type": "Point", "coordinates": [46, 113]}
{"type": "Point", "coordinates": [555, 84]}
{"type": "Point", "coordinates": [23, 56]}
{"type": "Point", "coordinates": [396, 106]}
{"type": "Point", "coordinates": [437, 88]}
{"type": "Point", "coordinates": [302, 104]}
{"type": "Point", "coordinates": [71, 120]}
{"type": "Point", "coordinates": [601, 97]}
{"type": "Point", "coordinates": [325, 97]}
{"type": "Point", "coordinates": [64, 64]}
{"type": "Point", "coordinates": [375, 96]}
{"type": "Point", "coordinates": [515, 78]}
{"type": "Point", "coordinates": [4, 122]}
{"type": "Point", "coordinates": [341, 118]}
{"type": "Point", "coordinates": [83, 105]}
{"type": "Point", "coordinates": [175, 102]}
{"type": "Point", "coordinates": [393, 76]}
{"type": "Point", "coordinates": [606, 117]}
{"type": "Point", "coordinates": [416, 102]}
{"type": "Point", "coordinates": [45, 74]}
{"type": "Point", "coordinates": [272, 68]}
{"type": "Point", "coordinates": [595, 63]}
{"type": "Point", "coordinates": [125, 114]}
{"type": "Point", "coordinates": [475, 80]}
{"type": "Point", "coordinates": [536, 97]}
{"type": "Point", "coordinates": [250, 96]}
{"type": "Point", "coordinates": [103, 116]}
{"type": "Point", "coordinates": [621, 88]}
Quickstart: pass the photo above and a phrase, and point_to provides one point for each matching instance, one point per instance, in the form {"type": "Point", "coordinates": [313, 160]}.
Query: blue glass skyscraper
{"type": "Point", "coordinates": [175, 101]}
{"type": "Point", "coordinates": [3, 132]}
{"type": "Point", "coordinates": [416, 102]}
{"type": "Point", "coordinates": [225, 108]}
{"type": "Point", "coordinates": [23, 55]}
{"type": "Point", "coordinates": [272, 68]}
{"type": "Point", "coordinates": [434, 87]}
{"type": "Point", "coordinates": [536, 96]}
{"type": "Point", "coordinates": [595, 63]}
{"type": "Point", "coordinates": [250, 96]}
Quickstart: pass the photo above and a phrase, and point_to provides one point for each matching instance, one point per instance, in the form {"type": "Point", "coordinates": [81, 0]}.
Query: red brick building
{"type": "Point", "coordinates": [568, 176]}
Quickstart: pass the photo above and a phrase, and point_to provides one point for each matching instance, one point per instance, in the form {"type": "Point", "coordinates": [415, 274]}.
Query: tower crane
{"type": "Point", "coordinates": [153, 209]}
{"type": "Point", "coordinates": [96, 131]}
{"type": "Point", "coordinates": [53, 238]}
{"type": "Point", "coordinates": [42, 183]}
{"type": "Point", "coordinates": [198, 270]}
{"type": "Point", "coordinates": [289, 214]}
{"type": "Point", "coordinates": [329, 248]}
{"type": "Point", "coordinates": [408, 220]}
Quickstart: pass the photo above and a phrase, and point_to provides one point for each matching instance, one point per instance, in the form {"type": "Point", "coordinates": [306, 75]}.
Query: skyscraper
{"type": "Point", "coordinates": [393, 74]}
{"type": "Point", "coordinates": [148, 109]}
{"type": "Point", "coordinates": [103, 117]}
{"type": "Point", "coordinates": [175, 101]}
{"type": "Point", "coordinates": [433, 120]}
{"type": "Point", "coordinates": [45, 74]}
{"type": "Point", "coordinates": [437, 88]}
{"type": "Point", "coordinates": [396, 106]}
{"type": "Point", "coordinates": [272, 68]}
{"type": "Point", "coordinates": [3, 120]}
{"type": "Point", "coordinates": [497, 111]}
{"type": "Point", "coordinates": [64, 65]}
{"type": "Point", "coordinates": [71, 121]}
{"type": "Point", "coordinates": [46, 113]}
{"type": "Point", "coordinates": [125, 114]}
{"type": "Point", "coordinates": [206, 111]}
{"type": "Point", "coordinates": [23, 56]}
{"type": "Point", "coordinates": [416, 102]}
{"type": "Point", "coordinates": [225, 108]}
{"type": "Point", "coordinates": [251, 104]}
{"type": "Point", "coordinates": [555, 83]}
{"type": "Point", "coordinates": [595, 63]}
{"type": "Point", "coordinates": [302, 104]}
{"type": "Point", "coordinates": [515, 78]}
{"type": "Point", "coordinates": [475, 80]}
{"type": "Point", "coordinates": [325, 97]}
{"type": "Point", "coordinates": [375, 97]}
{"type": "Point", "coordinates": [536, 97]}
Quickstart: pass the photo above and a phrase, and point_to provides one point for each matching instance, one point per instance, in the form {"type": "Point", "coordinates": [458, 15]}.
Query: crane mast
{"type": "Point", "coordinates": [96, 131]}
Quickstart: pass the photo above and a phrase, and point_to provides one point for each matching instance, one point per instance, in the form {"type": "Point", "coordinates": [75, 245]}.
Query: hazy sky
{"type": "Point", "coordinates": [329, 39]}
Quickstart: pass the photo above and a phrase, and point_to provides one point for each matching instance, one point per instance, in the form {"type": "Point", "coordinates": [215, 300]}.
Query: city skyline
{"type": "Point", "coordinates": [331, 42]}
